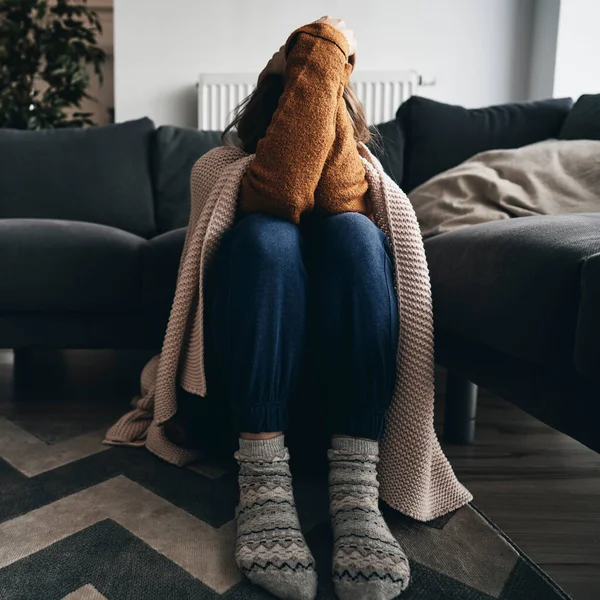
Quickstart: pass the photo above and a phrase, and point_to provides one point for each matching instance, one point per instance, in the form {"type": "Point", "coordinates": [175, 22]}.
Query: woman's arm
{"type": "Point", "coordinates": [283, 177]}
{"type": "Point", "coordinates": [343, 186]}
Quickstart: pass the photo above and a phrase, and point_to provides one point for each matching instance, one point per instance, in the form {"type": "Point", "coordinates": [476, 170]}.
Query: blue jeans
{"type": "Point", "coordinates": [285, 302]}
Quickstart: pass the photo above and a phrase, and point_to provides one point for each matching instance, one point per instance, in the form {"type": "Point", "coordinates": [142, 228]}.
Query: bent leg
{"type": "Point", "coordinates": [353, 322]}
{"type": "Point", "coordinates": [354, 325]}
{"type": "Point", "coordinates": [257, 321]}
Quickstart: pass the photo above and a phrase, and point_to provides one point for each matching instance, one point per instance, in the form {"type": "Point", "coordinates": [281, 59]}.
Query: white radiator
{"type": "Point", "coordinates": [381, 92]}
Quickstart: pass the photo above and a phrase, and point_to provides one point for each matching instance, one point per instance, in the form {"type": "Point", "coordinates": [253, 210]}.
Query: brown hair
{"type": "Point", "coordinates": [254, 114]}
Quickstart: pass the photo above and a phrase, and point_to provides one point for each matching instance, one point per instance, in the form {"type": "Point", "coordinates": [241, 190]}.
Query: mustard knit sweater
{"type": "Point", "coordinates": [309, 158]}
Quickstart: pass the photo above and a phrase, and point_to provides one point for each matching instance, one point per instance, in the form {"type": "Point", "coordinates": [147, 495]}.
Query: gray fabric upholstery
{"type": "Point", "coordinates": [50, 266]}
{"type": "Point", "coordinates": [73, 330]}
{"type": "Point", "coordinates": [587, 348]}
{"type": "Point", "coordinates": [583, 122]}
{"type": "Point", "coordinates": [515, 285]}
{"type": "Point", "coordinates": [175, 150]}
{"type": "Point", "coordinates": [440, 136]}
{"type": "Point", "coordinates": [160, 266]}
{"type": "Point", "coordinates": [388, 146]}
{"type": "Point", "coordinates": [562, 398]}
{"type": "Point", "coordinates": [99, 175]}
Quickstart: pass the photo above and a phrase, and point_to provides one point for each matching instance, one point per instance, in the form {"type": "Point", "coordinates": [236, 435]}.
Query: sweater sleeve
{"type": "Point", "coordinates": [283, 177]}
{"type": "Point", "coordinates": [343, 185]}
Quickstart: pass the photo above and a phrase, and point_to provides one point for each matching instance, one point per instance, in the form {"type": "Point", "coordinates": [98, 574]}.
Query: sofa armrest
{"type": "Point", "coordinates": [515, 285]}
{"type": "Point", "coordinates": [587, 339]}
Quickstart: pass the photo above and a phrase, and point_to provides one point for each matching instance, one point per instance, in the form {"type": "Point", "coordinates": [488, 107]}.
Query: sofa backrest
{"type": "Point", "coordinates": [583, 122]}
{"type": "Point", "coordinates": [97, 175]}
{"type": "Point", "coordinates": [174, 152]}
{"type": "Point", "coordinates": [425, 138]}
{"type": "Point", "coordinates": [387, 144]}
{"type": "Point", "coordinates": [440, 136]}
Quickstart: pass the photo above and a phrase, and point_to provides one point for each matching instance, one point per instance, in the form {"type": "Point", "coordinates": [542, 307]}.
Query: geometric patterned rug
{"type": "Point", "coordinates": [82, 521]}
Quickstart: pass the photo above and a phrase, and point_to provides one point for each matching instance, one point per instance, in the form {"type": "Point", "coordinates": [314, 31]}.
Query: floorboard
{"type": "Point", "coordinates": [540, 487]}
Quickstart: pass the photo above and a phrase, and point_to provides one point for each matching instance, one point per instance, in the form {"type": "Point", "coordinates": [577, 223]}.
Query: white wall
{"type": "Point", "coordinates": [543, 51]}
{"type": "Point", "coordinates": [578, 49]}
{"type": "Point", "coordinates": [478, 50]}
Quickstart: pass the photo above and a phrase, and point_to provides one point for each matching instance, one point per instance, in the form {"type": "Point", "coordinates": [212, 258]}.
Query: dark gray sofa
{"type": "Point", "coordinates": [516, 302]}
{"type": "Point", "coordinates": [92, 225]}
{"type": "Point", "coordinates": [517, 311]}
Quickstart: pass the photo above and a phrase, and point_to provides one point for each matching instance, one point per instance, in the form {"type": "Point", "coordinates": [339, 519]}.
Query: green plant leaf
{"type": "Point", "coordinates": [49, 44]}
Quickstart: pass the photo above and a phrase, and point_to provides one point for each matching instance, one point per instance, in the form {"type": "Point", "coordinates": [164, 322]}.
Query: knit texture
{"type": "Point", "coordinates": [414, 475]}
{"type": "Point", "coordinates": [270, 548]}
{"type": "Point", "coordinates": [343, 186]}
{"type": "Point", "coordinates": [309, 153]}
{"type": "Point", "coordinates": [368, 561]}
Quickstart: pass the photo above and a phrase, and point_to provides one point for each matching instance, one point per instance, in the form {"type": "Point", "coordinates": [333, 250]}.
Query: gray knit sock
{"type": "Point", "coordinates": [270, 548]}
{"type": "Point", "coordinates": [368, 562]}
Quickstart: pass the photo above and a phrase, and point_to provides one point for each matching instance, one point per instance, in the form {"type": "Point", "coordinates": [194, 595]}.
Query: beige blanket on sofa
{"type": "Point", "coordinates": [547, 178]}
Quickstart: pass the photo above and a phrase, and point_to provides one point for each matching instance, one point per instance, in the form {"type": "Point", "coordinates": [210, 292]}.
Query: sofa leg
{"type": "Point", "coordinates": [461, 406]}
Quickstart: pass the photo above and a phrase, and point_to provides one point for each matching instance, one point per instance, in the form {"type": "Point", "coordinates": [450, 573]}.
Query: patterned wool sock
{"type": "Point", "coordinates": [270, 548]}
{"type": "Point", "coordinates": [368, 562]}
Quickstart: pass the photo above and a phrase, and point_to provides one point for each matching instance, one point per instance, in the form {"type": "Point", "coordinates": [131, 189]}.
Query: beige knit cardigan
{"type": "Point", "coordinates": [415, 476]}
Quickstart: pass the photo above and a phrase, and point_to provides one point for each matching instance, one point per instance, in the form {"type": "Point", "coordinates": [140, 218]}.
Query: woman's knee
{"type": "Point", "coordinates": [267, 239]}
{"type": "Point", "coordinates": [351, 235]}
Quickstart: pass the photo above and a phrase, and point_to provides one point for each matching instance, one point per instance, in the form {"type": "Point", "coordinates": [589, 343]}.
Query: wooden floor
{"type": "Point", "coordinates": [540, 487]}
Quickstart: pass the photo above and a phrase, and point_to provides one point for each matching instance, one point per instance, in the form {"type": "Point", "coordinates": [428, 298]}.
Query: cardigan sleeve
{"type": "Point", "coordinates": [283, 177]}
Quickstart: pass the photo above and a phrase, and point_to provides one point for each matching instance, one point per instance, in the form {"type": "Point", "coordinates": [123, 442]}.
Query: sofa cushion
{"type": "Point", "coordinates": [175, 151]}
{"type": "Point", "coordinates": [440, 136]}
{"type": "Point", "coordinates": [160, 266]}
{"type": "Point", "coordinates": [50, 266]}
{"type": "Point", "coordinates": [587, 347]}
{"type": "Point", "coordinates": [515, 285]}
{"type": "Point", "coordinates": [74, 330]}
{"type": "Point", "coordinates": [583, 122]}
{"type": "Point", "coordinates": [388, 146]}
{"type": "Point", "coordinates": [98, 175]}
